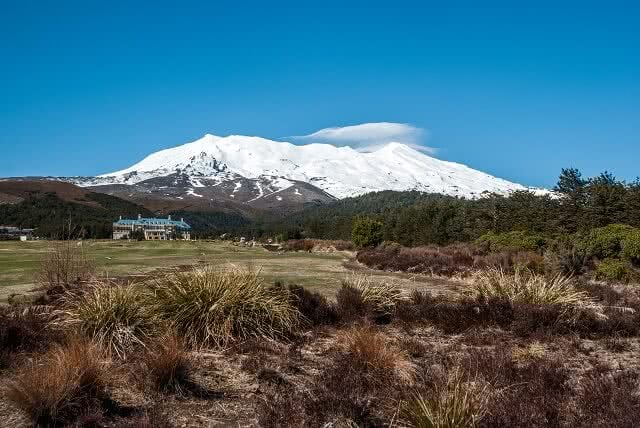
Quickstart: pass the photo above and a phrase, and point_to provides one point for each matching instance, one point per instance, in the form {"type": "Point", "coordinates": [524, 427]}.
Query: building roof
{"type": "Point", "coordinates": [144, 221]}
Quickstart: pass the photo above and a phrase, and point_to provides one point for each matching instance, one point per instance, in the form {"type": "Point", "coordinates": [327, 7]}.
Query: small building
{"type": "Point", "coordinates": [10, 233]}
{"type": "Point", "coordinates": [152, 228]}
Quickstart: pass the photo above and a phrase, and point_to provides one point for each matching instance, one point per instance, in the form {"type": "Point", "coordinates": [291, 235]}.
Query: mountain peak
{"type": "Point", "coordinates": [339, 171]}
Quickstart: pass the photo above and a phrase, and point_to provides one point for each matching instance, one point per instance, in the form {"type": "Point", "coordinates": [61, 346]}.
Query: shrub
{"type": "Point", "coordinates": [608, 400]}
{"type": "Point", "coordinates": [169, 365]}
{"type": "Point", "coordinates": [115, 316]}
{"type": "Point", "coordinates": [299, 245]}
{"type": "Point", "coordinates": [565, 257]}
{"type": "Point", "coordinates": [607, 241]}
{"type": "Point", "coordinates": [379, 297]}
{"type": "Point", "coordinates": [524, 287]}
{"type": "Point", "coordinates": [58, 387]}
{"type": "Point", "coordinates": [612, 270]}
{"type": "Point", "coordinates": [350, 304]}
{"type": "Point", "coordinates": [520, 393]}
{"type": "Point", "coordinates": [451, 260]}
{"type": "Point", "coordinates": [366, 232]}
{"type": "Point", "coordinates": [24, 330]}
{"type": "Point", "coordinates": [456, 404]}
{"type": "Point", "coordinates": [512, 241]}
{"type": "Point", "coordinates": [64, 265]}
{"type": "Point", "coordinates": [210, 306]}
{"type": "Point", "coordinates": [313, 306]}
{"type": "Point", "coordinates": [631, 247]}
{"type": "Point", "coordinates": [359, 385]}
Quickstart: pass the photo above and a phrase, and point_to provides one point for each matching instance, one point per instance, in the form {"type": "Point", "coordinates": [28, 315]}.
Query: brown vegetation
{"type": "Point", "coordinates": [453, 260]}
{"type": "Point", "coordinates": [63, 384]}
{"type": "Point", "coordinates": [517, 349]}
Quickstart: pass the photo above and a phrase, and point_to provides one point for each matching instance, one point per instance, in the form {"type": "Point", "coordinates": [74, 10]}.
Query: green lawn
{"type": "Point", "coordinates": [19, 261]}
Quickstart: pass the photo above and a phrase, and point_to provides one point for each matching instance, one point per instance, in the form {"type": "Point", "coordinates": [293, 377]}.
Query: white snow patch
{"type": "Point", "coordinates": [192, 193]}
{"type": "Point", "coordinates": [340, 171]}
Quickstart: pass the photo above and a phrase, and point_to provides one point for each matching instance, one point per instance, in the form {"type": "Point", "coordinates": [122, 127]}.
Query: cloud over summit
{"type": "Point", "coordinates": [369, 136]}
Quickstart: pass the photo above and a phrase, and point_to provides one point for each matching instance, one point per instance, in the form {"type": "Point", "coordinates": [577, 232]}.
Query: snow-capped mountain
{"type": "Point", "coordinates": [258, 168]}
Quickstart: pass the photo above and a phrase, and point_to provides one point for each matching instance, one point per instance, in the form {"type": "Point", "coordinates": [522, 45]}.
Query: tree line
{"type": "Point", "coordinates": [577, 204]}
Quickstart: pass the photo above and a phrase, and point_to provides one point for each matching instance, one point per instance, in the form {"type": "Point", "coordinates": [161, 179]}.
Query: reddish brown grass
{"type": "Point", "coordinates": [62, 385]}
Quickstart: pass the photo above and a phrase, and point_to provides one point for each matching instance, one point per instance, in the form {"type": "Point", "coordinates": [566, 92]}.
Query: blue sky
{"type": "Point", "coordinates": [517, 91]}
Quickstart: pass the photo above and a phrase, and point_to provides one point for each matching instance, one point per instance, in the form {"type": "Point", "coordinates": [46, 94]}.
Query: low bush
{"type": "Point", "coordinates": [612, 270]}
{"type": "Point", "coordinates": [512, 241]}
{"type": "Point", "coordinates": [25, 330]}
{"type": "Point", "coordinates": [566, 258]}
{"type": "Point", "coordinates": [313, 306]}
{"type": "Point", "coordinates": [453, 260]}
{"type": "Point", "coordinates": [65, 265]}
{"type": "Point", "coordinates": [299, 245]}
{"type": "Point", "coordinates": [605, 242]}
{"type": "Point", "coordinates": [608, 400]}
{"type": "Point", "coordinates": [115, 316]}
{"type": "Point", "coordinates": [631, 247]}
{"type": "Point", "coordinates": [350, 304]}
{"type": "Point", "coordinates": [209, 306]}
{"type": "Point", "coordinates": [65, 383]}
{"type": "Point", "coordinates": [523, 393]}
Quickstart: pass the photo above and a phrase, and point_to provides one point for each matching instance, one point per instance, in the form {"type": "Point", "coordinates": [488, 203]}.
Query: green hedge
{"type": "Point", "coordinates": [516, 240]}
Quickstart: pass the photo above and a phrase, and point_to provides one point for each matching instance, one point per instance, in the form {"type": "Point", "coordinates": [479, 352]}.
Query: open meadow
{"type": "Point", "coordinates": [319, 271]}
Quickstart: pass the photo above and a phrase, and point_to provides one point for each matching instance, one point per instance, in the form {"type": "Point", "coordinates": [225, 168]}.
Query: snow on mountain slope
{"type": "Point", "coordinates": [339, 171]}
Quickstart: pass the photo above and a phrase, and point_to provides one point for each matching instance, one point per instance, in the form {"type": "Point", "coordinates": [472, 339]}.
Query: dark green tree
{"type": "Point", "coordinates": [572, 189]}
{"type": "Point", "coordinates": [366, 232]}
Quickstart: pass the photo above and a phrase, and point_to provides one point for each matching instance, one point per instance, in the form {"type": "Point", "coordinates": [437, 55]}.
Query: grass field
{"type": "Point", "coordinates": [19, 261]}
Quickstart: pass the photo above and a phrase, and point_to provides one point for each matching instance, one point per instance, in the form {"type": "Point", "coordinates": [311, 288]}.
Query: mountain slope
{"type": "Point", "coordinates": [52, 207]}
{"type": "Point", "coordinates": [264, 167]}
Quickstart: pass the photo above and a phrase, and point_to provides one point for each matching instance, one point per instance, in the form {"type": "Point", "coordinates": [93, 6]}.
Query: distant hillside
{"type": "Point", "coordinates": [51, 206]}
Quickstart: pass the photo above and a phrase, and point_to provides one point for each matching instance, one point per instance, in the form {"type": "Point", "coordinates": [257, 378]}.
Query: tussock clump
{"type": "Point", "coordinates": [380, 297]}
{"type": "Point", "coordinates": [455, 404]}
{"type": "Point", "coordinates": [62, 385]}
{"type": "Point", "coordinates": [370, 353]}
{"type": "Point", "coordinates": [115, 316]}
{"type": "Point", "coordinates": [209, 306]}
{"type": "Point", "coordinates": [169, 365]}
{"type": "Point", "coordinates": [525, 287]}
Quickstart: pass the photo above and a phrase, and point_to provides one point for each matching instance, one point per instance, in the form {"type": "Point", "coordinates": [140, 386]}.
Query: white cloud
{"type": "Point", "coordinates": [369, 136]}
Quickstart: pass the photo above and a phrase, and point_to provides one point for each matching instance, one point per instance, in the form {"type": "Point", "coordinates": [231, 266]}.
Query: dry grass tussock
{"type": "Point", "coordinates": [169, 365]}
{"type": "Point", "coordinates": [457, 403]}
{"type": "Point", "coordinates": [64, 383]}
{"type": "Point", "coordinates": [210, 306]}
{"type": "Point", "coordinates": [113, 315]}
{"type": "Point", "coordinates": [370, 351]}
{"type": "Point", "coordinates": [526, 287]}
{"type": "Point", "coordinates": [381, 297]}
